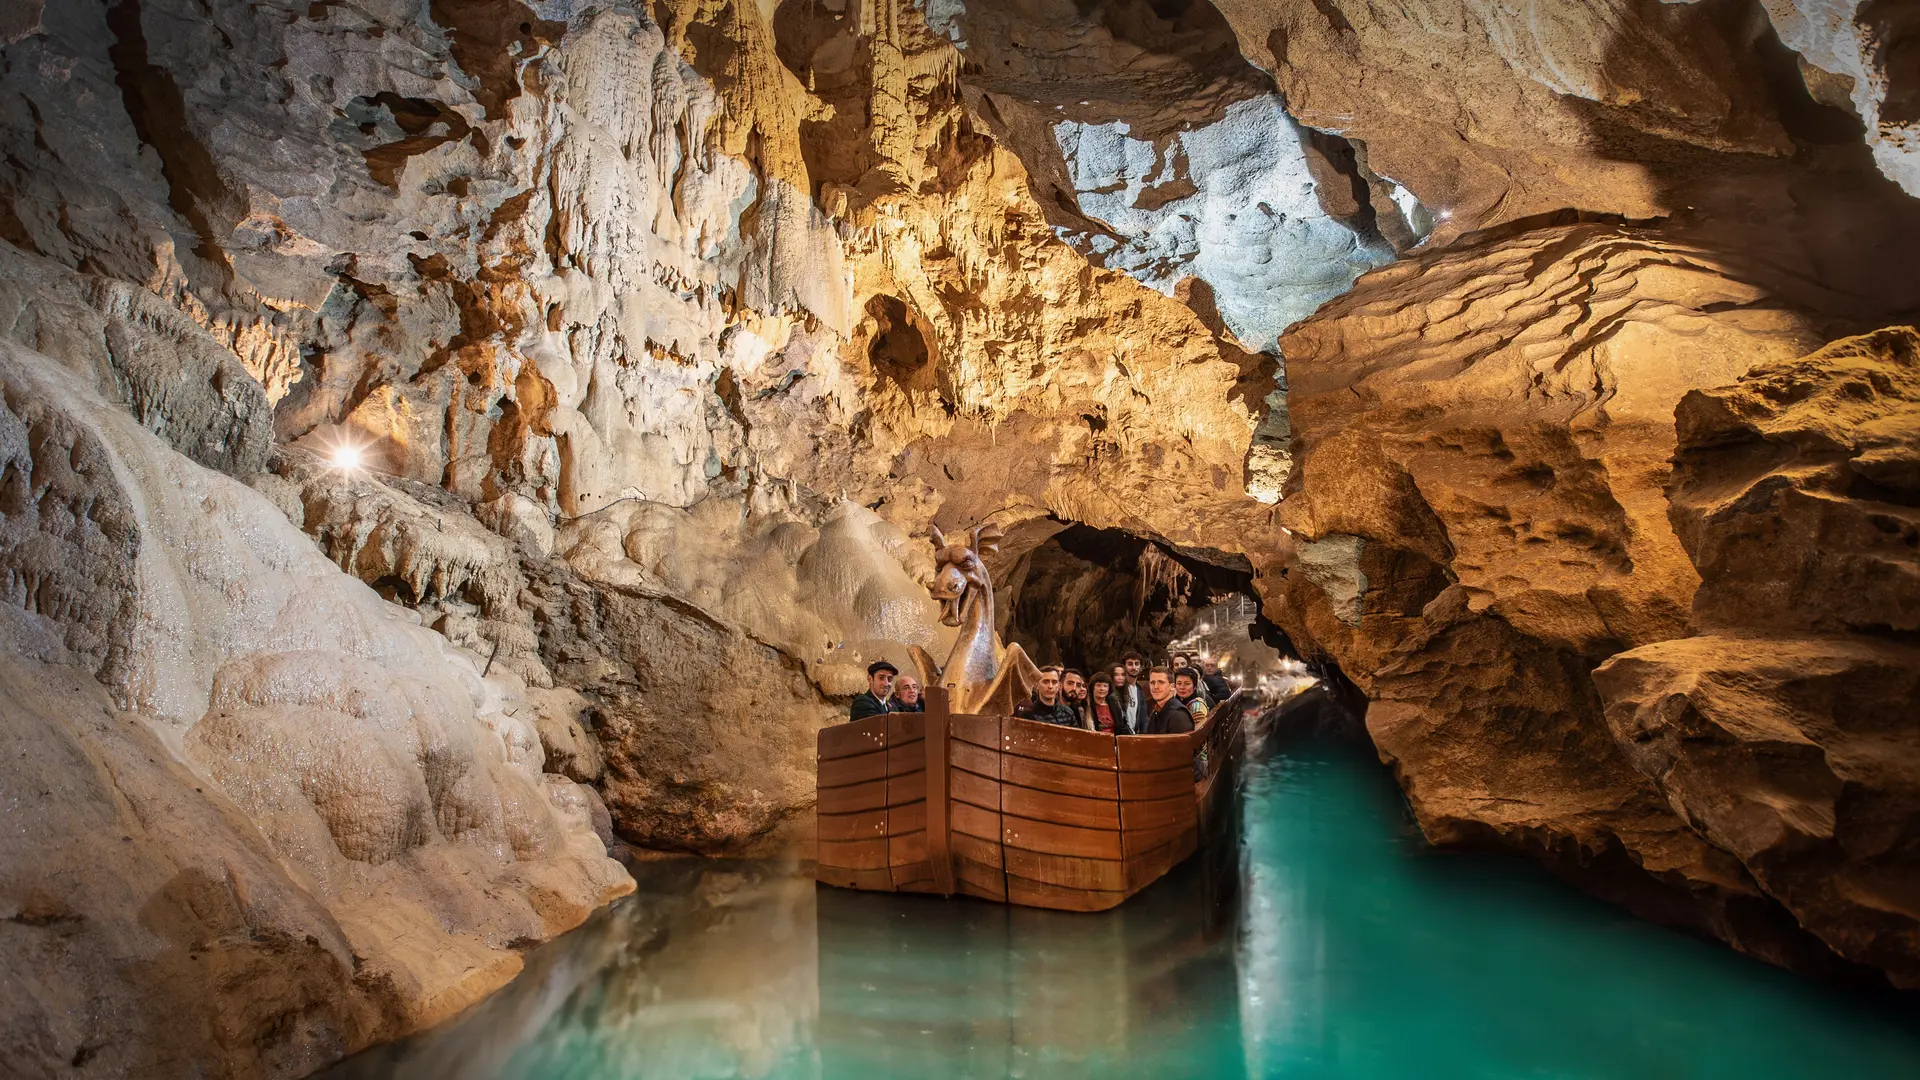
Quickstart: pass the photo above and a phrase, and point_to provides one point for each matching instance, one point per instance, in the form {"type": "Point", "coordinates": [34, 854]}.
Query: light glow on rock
{"type": "Point", "coordinates": [346, 453]}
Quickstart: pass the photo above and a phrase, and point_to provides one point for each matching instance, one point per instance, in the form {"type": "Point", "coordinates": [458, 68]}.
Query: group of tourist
{"type": "Point", "coordinates": [1128, 698]}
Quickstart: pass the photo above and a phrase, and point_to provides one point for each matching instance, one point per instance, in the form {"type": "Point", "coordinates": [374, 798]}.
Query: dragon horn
{"type": "Point", "coordinates": [987, 537]}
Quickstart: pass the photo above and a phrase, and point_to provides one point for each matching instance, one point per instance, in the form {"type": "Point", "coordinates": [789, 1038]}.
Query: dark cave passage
{"type": "Point", "coordinates": [1087, 596]}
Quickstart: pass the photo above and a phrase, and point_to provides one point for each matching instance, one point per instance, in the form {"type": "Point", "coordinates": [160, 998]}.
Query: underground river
{"type": "Point", "coordinates": [1331, 943]}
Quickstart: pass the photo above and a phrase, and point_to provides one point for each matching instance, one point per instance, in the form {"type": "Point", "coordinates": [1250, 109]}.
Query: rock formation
{"type": "Point", "coordinates": [668, 331]}
{"type": "Point", "coordinates": [1781, 730]}
{"type": "Point", "coordinates": [302, 819]}
{"type": "Point", "coordinates": [1482, 518]}
{"type": "Point", "coordinates": [1490, 111]}
{"type": "Point", "coordinates": [1478, 515]}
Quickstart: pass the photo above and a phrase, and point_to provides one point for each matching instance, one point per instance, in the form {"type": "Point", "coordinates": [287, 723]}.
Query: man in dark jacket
{"type": "Point", "coordinates": [1046, 705]}
{"type": "Point", "coordinates": [907, 695]}
{"type": "Point", "coordinates": [1166, 715]}
{"type": "Point", "coordinates": [1073, 691]}
{"type": "Point", "coordinates": [1216, 684]}
{"type": "Point", "coordinates": [878, 697]}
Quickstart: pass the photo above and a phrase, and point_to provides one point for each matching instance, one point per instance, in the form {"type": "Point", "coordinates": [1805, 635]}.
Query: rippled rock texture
{"type": "Point", "coordinates": [1782, 730]}
{"type": "Point", "coordinates": [1484, 515]}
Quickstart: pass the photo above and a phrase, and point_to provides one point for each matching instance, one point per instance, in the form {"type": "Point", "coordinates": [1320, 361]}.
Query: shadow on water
{"type": "Point", "coordinates": [1328, 941]}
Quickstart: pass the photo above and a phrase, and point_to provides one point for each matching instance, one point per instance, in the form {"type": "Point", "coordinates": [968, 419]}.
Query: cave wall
{"type": "Point", "coordinates": [1781, 728]}
{"type": "Point", "coordinates": [1484, 506]}
{"type": "Point", "coordinates": [665, 330]}
{"type": "Point", "coordinates": [1483, 520]}
{"type": "Point", "coordinates": [263, 817]}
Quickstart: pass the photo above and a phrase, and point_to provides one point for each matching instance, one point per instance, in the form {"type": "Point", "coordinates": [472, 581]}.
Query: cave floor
{"type": "Point", "coordinates": [1329, 942]}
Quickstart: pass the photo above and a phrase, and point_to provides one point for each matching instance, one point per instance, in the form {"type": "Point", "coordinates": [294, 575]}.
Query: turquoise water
{"type": "Point", "coordinates": [1329, 943]}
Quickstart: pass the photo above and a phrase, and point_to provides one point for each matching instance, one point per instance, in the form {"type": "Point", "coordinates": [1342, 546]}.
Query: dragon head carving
{"type": "Point", "coordinates": [959, 569]}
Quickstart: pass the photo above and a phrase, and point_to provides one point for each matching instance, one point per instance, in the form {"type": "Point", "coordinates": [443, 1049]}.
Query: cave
{"type": "Point", "coordinates": [897, 348]}
{"type": "Point", "coordinates": [534, 535]}
{"type": "Point", "coordinates": [1087, 597]}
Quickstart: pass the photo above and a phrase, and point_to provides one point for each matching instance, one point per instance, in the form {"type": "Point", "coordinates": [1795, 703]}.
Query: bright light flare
{"type": "Point", "coordinates": [344, 453]}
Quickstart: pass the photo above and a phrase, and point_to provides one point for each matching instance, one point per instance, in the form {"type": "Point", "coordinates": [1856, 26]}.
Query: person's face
{"type": "Point", "coordinates": [1119, 675]}
{"type": "Point", "coordinates": [909, 689]}
{"type": "Point", "coordinates": [1183, 686]}
{"type": "Point", "coordinates": [1075, 686]}
{"type": "Point", "coordinates": [1133, 669]}
{"type": "Point", "coordinates": [1210, 666]}
{"type": "Point", "coordinates": [1180, 660]}
{"type": "Point", "coordinates": [880, 682]}
{"type": "Point", "coordinates": [1100, 692]}
{"type": "Point", "coordinates": [1049, 686]}
{"type": "Point", "coordinates": [1159, 686]}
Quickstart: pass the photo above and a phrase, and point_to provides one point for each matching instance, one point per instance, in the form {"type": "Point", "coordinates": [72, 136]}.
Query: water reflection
{"type": "Point", "coordinates": [708, 970]}
{"type": "Point", "coordinates": [973, 989]}
{"type": "Point", "coordinates": [1327, 943]}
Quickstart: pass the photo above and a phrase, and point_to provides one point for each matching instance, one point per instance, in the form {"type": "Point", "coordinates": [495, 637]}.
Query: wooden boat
{"type": "Point", "coordinates": [1016, 811]}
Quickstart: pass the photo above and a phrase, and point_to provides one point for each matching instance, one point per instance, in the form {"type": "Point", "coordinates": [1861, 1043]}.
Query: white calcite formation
{"type": "Point", "coordinates": [360, 785]}
{"type": "Point", "coordinates": [1858, 55]}
{"type": "Point", "coordinates": [1233, 203]}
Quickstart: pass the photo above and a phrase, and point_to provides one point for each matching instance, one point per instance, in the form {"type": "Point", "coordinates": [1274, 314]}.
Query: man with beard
{"type": "Point", "coordinates": [1073, 690]}
{"type": "Point", "coordinates": [1046, 705]}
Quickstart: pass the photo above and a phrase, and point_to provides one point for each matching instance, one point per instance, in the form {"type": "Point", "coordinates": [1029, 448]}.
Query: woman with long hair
{"type": "Point", "coordinates": [1098, 711]}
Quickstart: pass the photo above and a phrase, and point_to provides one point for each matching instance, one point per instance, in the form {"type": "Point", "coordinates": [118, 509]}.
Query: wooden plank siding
{"type": "Point", "coordinates": [1010, 810]}
{"type": "Point", "coordinates": [907, 856]}
{"type": "Point", "coordinates": [1159, 810]}
{"type": "Point", "coordinates": [973, 789]}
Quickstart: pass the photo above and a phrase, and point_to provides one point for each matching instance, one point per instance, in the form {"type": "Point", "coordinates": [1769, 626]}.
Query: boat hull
{"type": "Point", "coordinates": [1014, 811]}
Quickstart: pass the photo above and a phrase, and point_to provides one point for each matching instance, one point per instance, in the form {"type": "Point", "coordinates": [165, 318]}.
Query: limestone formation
{"type": "Point", "coordinates": [1860, 56]}
{"type": "Point", "coordinates": [1490, 111]}
{"type": "Point", "coordinates": [1480, 518]}
{"type": "Point", "coordinates": [307, 821]}
{"type": "Point", "coordinates": [1783, 730]}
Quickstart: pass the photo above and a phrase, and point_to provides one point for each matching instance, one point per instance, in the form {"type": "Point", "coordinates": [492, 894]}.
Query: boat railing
{"type": "Point", "coordinates": [1011, 809]}
{"type": "Point", "coordinates": [1215, 735]}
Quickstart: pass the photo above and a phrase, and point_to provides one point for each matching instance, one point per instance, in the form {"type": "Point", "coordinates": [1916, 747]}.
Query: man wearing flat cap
{"type": "Point", "coordinates": [878, 697]}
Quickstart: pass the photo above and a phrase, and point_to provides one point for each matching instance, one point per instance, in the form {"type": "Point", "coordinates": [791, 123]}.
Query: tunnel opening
{"type": "Point", "coordinates": [1086, 597]}
{"type": "Point", "coordinates": [896, 345]}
